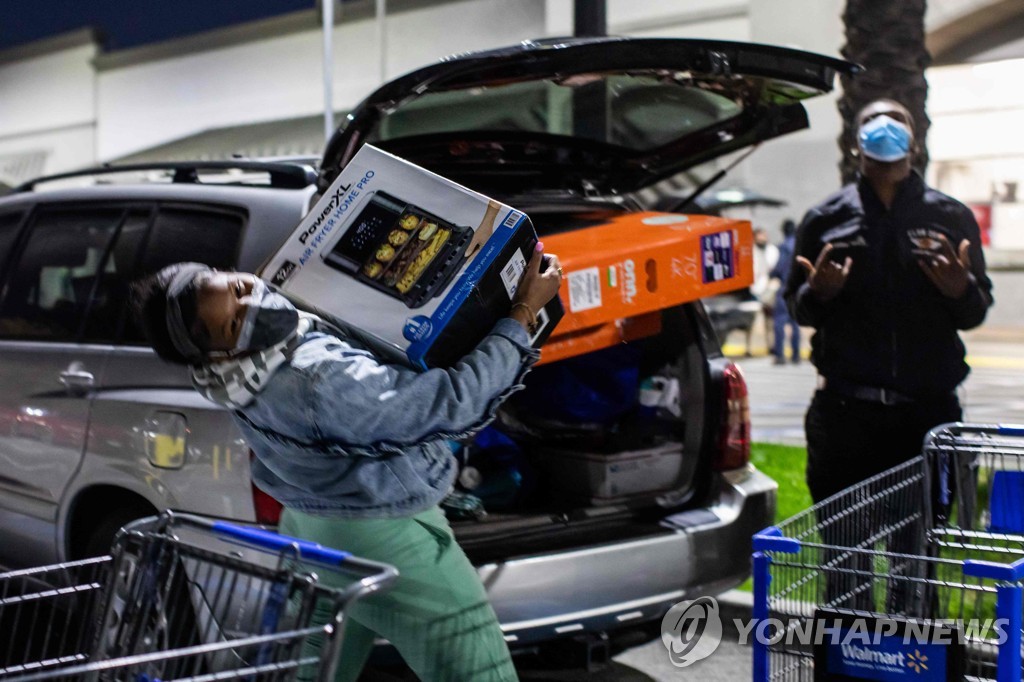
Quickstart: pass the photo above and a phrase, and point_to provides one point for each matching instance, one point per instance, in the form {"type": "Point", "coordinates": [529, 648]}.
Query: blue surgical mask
{"type": "Point", "coordinates": [270, 319]}
{"type": "Point", "coordinates": [885, 139]}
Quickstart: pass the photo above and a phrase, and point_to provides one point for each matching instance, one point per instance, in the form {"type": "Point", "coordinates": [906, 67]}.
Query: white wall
{"type": "Point", "coordinates": [975, 112]}
{"type": "Point", "coordinates": [48, 106]}
{"type": "Point", "coordinates": [63, 149]}
{"type": "Point", "coordinates": [49, 91]}
{"type": "Point", "coordinates": [801, 168]}
{"type": "Point", "coordinates": [155, 102]}
{"type": "Point", "coordinates": [976, 146]}
{"type": "Point", "coordinates": [675, 18]}
{"type": "Point", "coordinates": [724, 19]}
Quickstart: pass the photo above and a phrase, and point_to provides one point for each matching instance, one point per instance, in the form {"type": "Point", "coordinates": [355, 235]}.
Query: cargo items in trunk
{"type": "Point", "coordinates": [595, 428]}
{"type": "Point", "coordinates": [598, 476]}
{"type": "Point", "coordinates": [387, 249]}
{"type": "Point", "coordinates": [495, 469]}
{"type": "Point", "coordinates": [618, 274]}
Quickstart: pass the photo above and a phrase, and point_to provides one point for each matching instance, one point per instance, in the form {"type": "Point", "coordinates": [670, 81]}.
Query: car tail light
{"type": "Point", "coordinates": [268, 510]}
{"type": "Point", "coordinates": [734, 440]}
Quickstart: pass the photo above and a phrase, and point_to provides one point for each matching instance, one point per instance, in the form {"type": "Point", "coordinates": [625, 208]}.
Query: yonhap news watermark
{"type": "Point", "coordinates": [692, 631]}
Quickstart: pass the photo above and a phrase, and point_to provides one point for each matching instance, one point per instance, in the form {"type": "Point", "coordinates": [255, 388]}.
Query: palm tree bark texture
{"type": "Point", "coordinates": [886, 37]}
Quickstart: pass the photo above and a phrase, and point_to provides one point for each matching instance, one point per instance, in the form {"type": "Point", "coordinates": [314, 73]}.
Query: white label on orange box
{"type": "Point", "coordinates": [584, 290]}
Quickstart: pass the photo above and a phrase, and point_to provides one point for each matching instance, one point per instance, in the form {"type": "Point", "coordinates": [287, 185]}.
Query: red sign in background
{"type": "Point", "coordinates": [983, 214]}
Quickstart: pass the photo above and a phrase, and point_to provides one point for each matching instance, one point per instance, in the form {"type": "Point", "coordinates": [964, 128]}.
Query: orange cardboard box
{"type": "Point", "coordinates": [620, 274]}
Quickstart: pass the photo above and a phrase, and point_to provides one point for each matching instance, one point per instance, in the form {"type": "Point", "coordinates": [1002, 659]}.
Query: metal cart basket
{"type": "Point", "coordinates": [913, 574]}
{"type": "Point", "coordinates": [184, 598]}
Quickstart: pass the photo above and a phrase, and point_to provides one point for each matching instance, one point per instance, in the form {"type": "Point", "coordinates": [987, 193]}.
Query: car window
{"type": "Point", "coordinates": [208, 236]}
{"type": "Point", "coordinates": [110, 295]}
{"type": "Point", "coordinates": [9, 223]}
{"type": "Point", "coordinates": [204, 235]}
{"type": "Point", "coordinates": [638, 112]}
{"type": "Point", "coordinates": [48, 290]}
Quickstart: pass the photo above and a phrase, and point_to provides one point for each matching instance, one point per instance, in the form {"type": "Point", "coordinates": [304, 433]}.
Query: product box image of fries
{"type": "Point", "coordinates": [423, 264]}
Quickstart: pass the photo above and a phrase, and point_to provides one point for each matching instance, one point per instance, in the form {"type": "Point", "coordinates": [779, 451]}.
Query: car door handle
{"type": "Point", "coordinates": [76, 379]}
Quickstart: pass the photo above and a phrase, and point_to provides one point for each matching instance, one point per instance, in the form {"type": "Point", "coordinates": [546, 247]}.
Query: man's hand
{"type": "Point", "coordinates": [825, 277]}
{"type": "Point", "coordinates": [949, 272]}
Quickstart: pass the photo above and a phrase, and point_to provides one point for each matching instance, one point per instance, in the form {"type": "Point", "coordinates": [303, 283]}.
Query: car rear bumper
{"type": "Point", "coordinates": [701, 552]}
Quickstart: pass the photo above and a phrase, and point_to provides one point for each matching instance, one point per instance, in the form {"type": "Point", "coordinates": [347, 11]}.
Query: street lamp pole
{"type": "Point", "coordinates": [590, 18]}
{"type": "Point", "coordinates": [382, 13]}
{"type": "Point", "coordinates": [590, 102]}
{"type": "Point", "coordinates": [328, 30]}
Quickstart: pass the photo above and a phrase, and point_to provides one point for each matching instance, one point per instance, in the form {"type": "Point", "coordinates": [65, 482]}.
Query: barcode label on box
{"type": "Point", "coordinates": [513, 272]}
{"type": "Point", "coordinates": [584, 290]}
{"type": "Point", "coordinates": [512, 218]}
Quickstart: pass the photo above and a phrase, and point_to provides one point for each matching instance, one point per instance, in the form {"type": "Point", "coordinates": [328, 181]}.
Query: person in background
{"type": "Point", "coordinates": [356, 450]}
{"type": "Point", "coordinates": [888, 270]}
{"type": "Point", "coordinates": [766, 255]}
{"type": "Point", "coordinates": [780, 312]}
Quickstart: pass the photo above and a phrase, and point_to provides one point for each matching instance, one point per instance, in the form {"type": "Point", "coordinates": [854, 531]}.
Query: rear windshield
{"type": "Point", "coordinates": [635, 111]}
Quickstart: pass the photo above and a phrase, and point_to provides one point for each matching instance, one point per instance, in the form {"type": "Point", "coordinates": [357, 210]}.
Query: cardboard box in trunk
{"type": "Point", "coordinates": [419, 262]}
{"type": "Point", "coordinates": [619, 274]}
{"type": "Point", "coordinates": [598, 477]}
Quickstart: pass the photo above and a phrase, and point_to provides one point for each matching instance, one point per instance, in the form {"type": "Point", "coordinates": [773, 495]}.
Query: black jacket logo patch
{"type": "Point", "coordinates": [926, 241]}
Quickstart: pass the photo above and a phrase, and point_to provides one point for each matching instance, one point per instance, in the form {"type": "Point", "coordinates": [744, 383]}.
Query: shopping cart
{"type": "Point", "coordinates": [913, 574]}
{"type": "Point", "coordinates": [184, 598]}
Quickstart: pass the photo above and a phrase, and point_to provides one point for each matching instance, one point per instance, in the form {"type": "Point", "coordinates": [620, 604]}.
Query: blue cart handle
{"type": "Point", "coordinates": [1015, 430]}
{"type": "Point", "coordinates": [282, 543]}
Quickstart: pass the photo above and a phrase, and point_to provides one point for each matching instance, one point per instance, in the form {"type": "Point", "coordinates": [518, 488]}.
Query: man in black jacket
{"type": "Point", "coordinates": [888, 270]}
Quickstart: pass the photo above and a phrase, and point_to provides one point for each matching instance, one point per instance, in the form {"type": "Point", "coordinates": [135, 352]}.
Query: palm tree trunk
{"type": "Point", "coordinates": [887, 38]}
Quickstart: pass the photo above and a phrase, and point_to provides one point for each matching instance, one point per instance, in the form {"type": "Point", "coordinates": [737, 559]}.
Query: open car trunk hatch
{"type": "Point", "coordinates": [605, 115]}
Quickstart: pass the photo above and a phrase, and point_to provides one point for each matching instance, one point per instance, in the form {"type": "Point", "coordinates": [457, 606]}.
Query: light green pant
{"type": "Point", "coordinates": [436, 615]}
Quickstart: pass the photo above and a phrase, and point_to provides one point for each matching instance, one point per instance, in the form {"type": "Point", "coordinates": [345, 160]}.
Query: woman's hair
{"type": "Point", "coordinates": [149, 307]}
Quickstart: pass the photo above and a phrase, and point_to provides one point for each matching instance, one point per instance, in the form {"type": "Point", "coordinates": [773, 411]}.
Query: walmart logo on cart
{"type": "Point", "coordinates": [889, 663]}
{"type": "Point", "coordinates": [916, 661]}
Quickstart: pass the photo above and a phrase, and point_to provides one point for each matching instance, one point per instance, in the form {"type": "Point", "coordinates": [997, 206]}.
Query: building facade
{"type": "Point", "coordinates": [256, 89]}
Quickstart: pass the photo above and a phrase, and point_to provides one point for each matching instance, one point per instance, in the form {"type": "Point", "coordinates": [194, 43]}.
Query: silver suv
{"type": "Point", "coordinates": [96, 431]}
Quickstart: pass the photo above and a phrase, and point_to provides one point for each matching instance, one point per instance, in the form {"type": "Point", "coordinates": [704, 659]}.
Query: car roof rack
{"type": "Point", "coordinates": [282, 175]}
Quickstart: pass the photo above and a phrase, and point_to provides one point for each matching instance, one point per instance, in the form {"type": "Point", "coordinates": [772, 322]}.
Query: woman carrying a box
{"type": "Point", "coordinates": [357, 450]}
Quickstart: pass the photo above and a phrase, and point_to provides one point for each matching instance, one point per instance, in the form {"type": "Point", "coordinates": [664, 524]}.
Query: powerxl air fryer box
{"type": "Point", "coordinates": [420, 262]}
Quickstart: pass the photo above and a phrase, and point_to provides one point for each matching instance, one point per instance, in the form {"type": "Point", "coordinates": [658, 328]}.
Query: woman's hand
{"type": "Point", "coordinates": [485, 230]}
{"type": "Point", "coordinates": [536, 288]}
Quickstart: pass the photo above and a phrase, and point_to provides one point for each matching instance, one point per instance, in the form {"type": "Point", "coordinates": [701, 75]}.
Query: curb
{"type": "Point", "coordinates": [733, 605]}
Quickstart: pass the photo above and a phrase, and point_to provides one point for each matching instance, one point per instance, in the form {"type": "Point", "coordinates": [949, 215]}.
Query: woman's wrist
{"type": "Point", "coordinates": [524, 315]}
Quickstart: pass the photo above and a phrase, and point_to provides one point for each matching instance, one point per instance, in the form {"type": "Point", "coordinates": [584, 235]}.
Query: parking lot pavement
{"type": "Point", "coordinates": [779, 396]}
{"type": "Point", "coordinates": [642, 663]}
{"type": "Point", "coordinates": [730, 662]}
{"type": "Point", "coordinates": [645, 662]}
{"type": "Point", "coordinates": [993, 392]}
